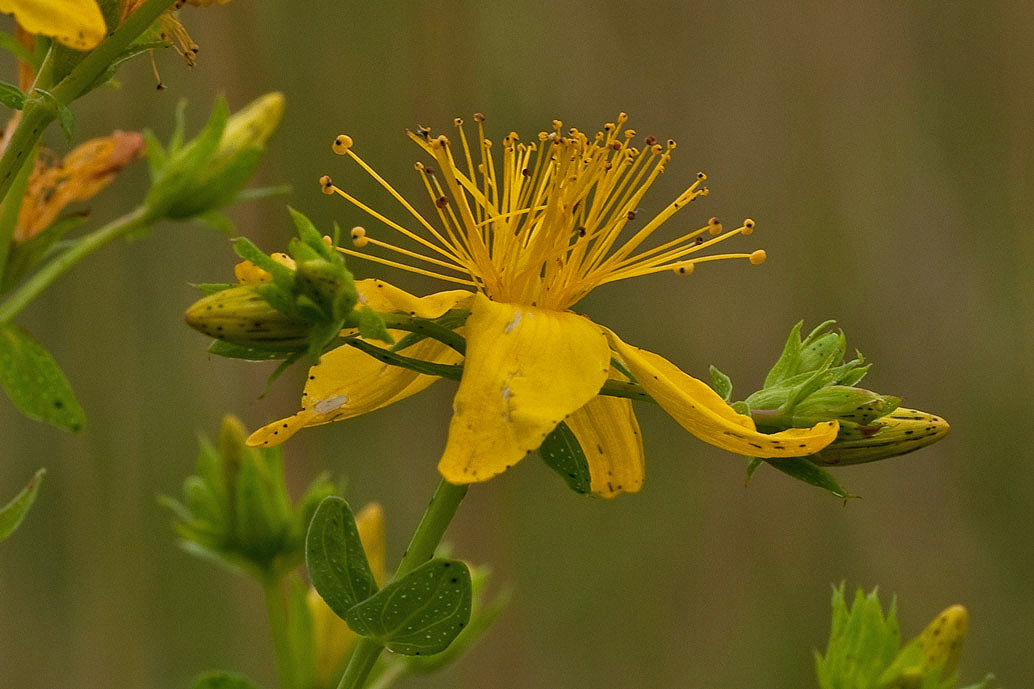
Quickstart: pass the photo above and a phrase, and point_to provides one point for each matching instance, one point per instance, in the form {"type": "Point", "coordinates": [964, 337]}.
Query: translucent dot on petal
{"type": "Point", "coordinates": [758, 257]}
{"type": "Point", "coordinates": [342, 143]}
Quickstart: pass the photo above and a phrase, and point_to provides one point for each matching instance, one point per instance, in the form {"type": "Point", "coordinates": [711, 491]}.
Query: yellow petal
{"type": "Point", "coordinates": [608, 432]}
{"type": "Point", "coordinates": [348, 383]}
{"type": "Point", "coordinates": [76, 23]}
{"type": "Point", "coordinates": [526, 370]}
{"type": "Point", "coordinates": [699, 409]}
{"type": "Point", "coordinates": [385, 298]}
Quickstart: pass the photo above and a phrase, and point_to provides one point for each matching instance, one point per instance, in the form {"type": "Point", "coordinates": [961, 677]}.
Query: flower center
{"type": "Point", "coordinates": [542, 225]}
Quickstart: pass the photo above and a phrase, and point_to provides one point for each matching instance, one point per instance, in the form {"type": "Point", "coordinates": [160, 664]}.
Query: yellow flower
{"type": "Point", "coordinates": [78, 24]}
{"type": "Point", "coordinates": [332, 638]}
{"type": "Point", "coordinates": [529, 236]}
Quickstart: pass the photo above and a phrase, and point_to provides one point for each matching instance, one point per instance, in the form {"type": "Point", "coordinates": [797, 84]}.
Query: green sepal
{"type": "Point", "coordinates": [232, 351]}
{"type": "Point", "coordinates": [862, 642]}
{"type": "Point", "coordinates": [784, 364]}
{"type": "Point", "coordinates": [419, 614]}
{"type": "Point", "coordinates": [283, 276]}
{"type": "Point", "coordinates": [563, 454]}
{"type": "Point", "coordinates": [219, 222]}
{"type": "Point", "coordinates": [35, 383]}
{"type": "Point", "coordinates": [11, 96]}
{"type": "Point", "coordinates": [12, 514]}
{"type": "Point", "coordinates": [207, 288]}
{"type": "Point", "coordinates": [371, 326]}
{"type": "Point", "coordinates": [335, 558]}
{"type": "Point", "coordinates": [802, 469]}
{"type": "Point", "coordinates": [218, 679]}
{"type": "Point", "coordinates": [260, 506]}
{"type": "Point", "coordinates": [156, 154]}
{"type": "Point", "coordinates": [721, 383]}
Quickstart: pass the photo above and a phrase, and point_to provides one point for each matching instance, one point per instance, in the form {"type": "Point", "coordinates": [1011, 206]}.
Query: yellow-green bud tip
{"type": "Point", "coordinates": [942, 640]}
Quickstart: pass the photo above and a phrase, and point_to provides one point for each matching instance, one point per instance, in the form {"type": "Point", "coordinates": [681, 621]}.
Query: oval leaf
{"type": "Point", "coordinates": [12, 514]}
{"type": "Point", "coordinates": [421, 613]}
{"type": "Point", "coordinates": [804, 470]}
{"type": "Point", "coordinates": [563, 454]}
{"type": "Point", "coordinates": [335, 557]}
{"type": "Point", "coordinates": [34, 382]}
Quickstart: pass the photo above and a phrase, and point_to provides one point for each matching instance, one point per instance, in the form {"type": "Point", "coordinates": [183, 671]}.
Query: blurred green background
{"type": "Point", "coordinates": [885, 150]}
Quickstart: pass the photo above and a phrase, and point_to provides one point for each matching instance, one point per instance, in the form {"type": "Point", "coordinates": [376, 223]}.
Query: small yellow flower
{"type": "Point", "coordinates": [78, 24]}
{"type": "Point", "coordinates": [332, 638]}
{"type": "Point", "coordinates": [529, 233]}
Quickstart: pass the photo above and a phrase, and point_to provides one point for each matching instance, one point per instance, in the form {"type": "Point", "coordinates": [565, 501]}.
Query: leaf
{"type": "Point", "coordinates": [421, 613]}
{"type": "Point", "coordinates": [25, 255]}
{"type": "Point", "coordinates": [233, 351]}
{"type": "Point", "coordinates": [11, 96]}
{"type": "Point", "coordinates": [217, 679]}
{"type": "Point", "coordinates": [802, 469]}
{"type": "Point", "coordinates": [34, 382]}
{"type": "Point", "coordinates": [335, 557]}
{"type": "Point", "coordinates": [12, 514]}
{"type": "Point", "coordinates": [721, 383]}
{"type": "Point", "coordinates": [563, 454]}
{"type": "Point", "coordinates": [11, 45]}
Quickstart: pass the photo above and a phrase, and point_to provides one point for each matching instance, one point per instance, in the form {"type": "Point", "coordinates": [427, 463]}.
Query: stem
{"type": "Point", "coordinates": [440, 511]}
{"type": "Point", "coordinates": [422, 326]}
{"type": "Point", "coordinates": [21, 297]}
{"type": "Point", "coordinates": [10, 211]}
{"type": "Point", "coordinates": [275, 606]}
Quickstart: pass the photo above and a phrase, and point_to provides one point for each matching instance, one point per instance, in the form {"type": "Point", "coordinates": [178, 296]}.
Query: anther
{"type": "Point", "coordinates": [758, 257]}
{"type": "Point", "coordinates": [629, 133]}
{"type": "Point", "coordinates": [441, 201]}
{"type": "Point", "coordinates": [683, 268]}
{"type": "Point", "coordinates": [748, 226]}
{"type": "Point", "coordinates": [622, 117]}
{"type": "Point", "coordinates": [423, 131]}
{"type": "Point", "coordinates": [458, 121]}
{"type": "Point", "coordinates": [701, 176]}
{"type": "Point", "coordinates": [526, 172]}
{"type": "Point", "coordinates": [342, 143]}
{"type": "Point", "coordinates": [359, 238]}
{"type": "Point", "coordinates": [479, 117]}
{"type": "Point", "coordinates": [650, 140]}
{"type": "Point", "coordinates": [714, 226]}
{"type": "Point", "coordinates": [328, 184]}
{"type": "Point", "coordinates": [671, 143]}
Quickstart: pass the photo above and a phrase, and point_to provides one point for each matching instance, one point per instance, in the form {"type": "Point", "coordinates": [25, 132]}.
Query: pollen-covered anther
{"type": "Point", "coordinates": [342, 143]}
{"type": "Point", "coordinates": [671, 146]}
{"type": "Point", "coordinates": [701, 176]}
{"type": "Point", "coordinates": [685, 268]}
{"type": "Point", "coordinates": [327, 184]}
{"type": "Point", "coordinates": [714, 226]}
{"type": "Point", "coordinates": [458, 121]}
{"type": "Point", "coordinates": [748, 226]}
{"type": "Point", "coordinates": [441, 201]}
{"type": "Point", "coordinates": [359, 238]}
{"type": "Point", "coordinates": [479, 117]}
{"type": "Point", "coordinates": [758, 257]}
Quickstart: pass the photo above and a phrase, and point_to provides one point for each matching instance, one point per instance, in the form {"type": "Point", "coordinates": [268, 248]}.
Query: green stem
{"type": "Point", "coordinates": [440, 511]}
{"type": "Point", "coordinates": [21, 297]}
{"type": "Point", "coordinates": [422, 326]}
{"type": "Point", "coordinates": [277, 610]}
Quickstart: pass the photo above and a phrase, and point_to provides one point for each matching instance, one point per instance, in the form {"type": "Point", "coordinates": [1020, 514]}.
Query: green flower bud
{"type": "Point", "coordinates": [243, 316]}
{"type": "Point", "coordinates": [208, 172]}
{"type": "Point", "coordinates": [237, 511]}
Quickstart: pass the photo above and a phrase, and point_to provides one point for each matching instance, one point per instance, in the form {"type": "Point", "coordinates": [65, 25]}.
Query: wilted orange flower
{"type": "Point", "coordinates": [80, 176]}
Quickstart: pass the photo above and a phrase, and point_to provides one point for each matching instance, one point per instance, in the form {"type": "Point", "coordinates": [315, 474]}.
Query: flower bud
{"type": "Point", "coordinates": [208, 172]}
{"type": "Point", "coordinates": [242, 316]}
{"type": "Point", "coordinates": [236, 510]}
{"type": "Point", "coordinates": [933, 655]}
{"type": "Point", "coordinates": [900, 432]}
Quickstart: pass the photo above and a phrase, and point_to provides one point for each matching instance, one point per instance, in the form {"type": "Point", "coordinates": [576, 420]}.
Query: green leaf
{"type": "Point", "coordinates": [29, 253]}
{"type": "Point", "coordinates": [335, 557]}
{"type": "Point", "coordinates": [371, 326]}
{"type": "Point", "coordinates": [34, 382]}
{"type": "Point", "coordinates": [217, 679]}
{"type": "Point", "coordinates": [721, 383]}
{"type": "Point", "coordinates": [802, 469]}
{"type": "Point", "coordinates": [11, 96]}
{"type": "Point", "coordinates": [563, 454]}
{"type": "Point", "coordinates": [421, 613]}
{"type": "Point", "coordinates": [787, 362]}
{"type": "Point", "coordinates": [12, 514]}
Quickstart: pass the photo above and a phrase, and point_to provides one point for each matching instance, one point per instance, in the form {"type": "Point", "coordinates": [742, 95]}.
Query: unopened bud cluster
{"type": "Point", "coordinates": [285, 302]}
{"type": "Point", "coordinates": [236, 509]}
